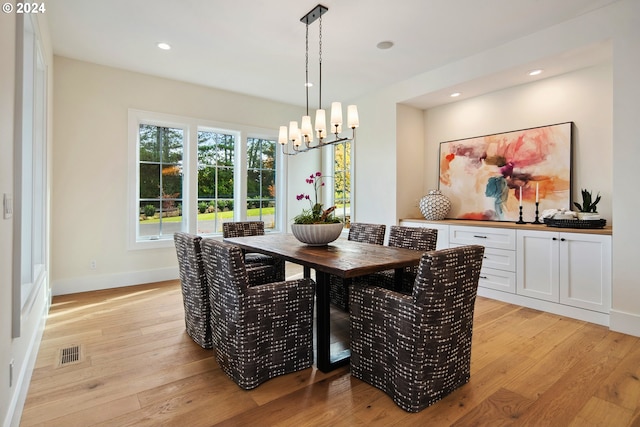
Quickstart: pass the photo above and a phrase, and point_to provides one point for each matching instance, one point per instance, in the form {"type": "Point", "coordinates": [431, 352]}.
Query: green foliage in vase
{"type": "Point", "coordinates": [588, 203]}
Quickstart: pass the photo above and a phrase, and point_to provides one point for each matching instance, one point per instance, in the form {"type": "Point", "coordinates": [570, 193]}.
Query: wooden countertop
{"type": "Point", "coordinates": [607, 231]}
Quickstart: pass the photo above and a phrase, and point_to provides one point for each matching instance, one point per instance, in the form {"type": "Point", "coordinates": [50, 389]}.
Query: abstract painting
{"type": "Point", "coordinates": [489, 177]}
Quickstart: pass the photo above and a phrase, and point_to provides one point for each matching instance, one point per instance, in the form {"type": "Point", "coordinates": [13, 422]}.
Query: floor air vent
{"type": "Point", "coordinates": [69, 355]}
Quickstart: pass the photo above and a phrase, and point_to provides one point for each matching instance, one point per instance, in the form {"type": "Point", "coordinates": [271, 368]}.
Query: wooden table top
{"type": "Point", "coordinates": [344, 258]}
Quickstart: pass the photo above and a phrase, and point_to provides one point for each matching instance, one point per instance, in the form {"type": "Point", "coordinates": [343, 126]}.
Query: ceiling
{"type": "Point", "coordinates": [257, 47]}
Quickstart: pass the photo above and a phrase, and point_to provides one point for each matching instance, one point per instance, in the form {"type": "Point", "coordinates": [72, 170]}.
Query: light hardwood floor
{"type": "Point", "coordinates": [139, 367]}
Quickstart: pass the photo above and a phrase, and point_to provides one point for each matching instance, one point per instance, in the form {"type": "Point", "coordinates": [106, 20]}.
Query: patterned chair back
{"type": "Point", "coordinates": [195, 292]}
{"type": "Point", "coordinates": [417, 238]}
{"type": "Point", "coordinates": [367, 233]}
{"type": "Point", "coordinates": [242, 228]}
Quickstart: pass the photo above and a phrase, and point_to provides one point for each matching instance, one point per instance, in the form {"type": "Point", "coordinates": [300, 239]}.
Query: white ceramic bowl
{"type": "Point", "coordinates": [317, 234]}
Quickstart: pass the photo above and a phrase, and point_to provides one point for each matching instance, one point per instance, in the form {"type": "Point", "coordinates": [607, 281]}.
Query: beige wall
{"type": "Point", "coordinates": [90, 164]}
{"type": "Point", "coordinates": [583, 97]}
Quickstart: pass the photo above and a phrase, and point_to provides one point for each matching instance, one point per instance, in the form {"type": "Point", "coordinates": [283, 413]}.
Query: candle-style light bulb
{"type": "Point", "coordinates": [336, 114]}
{"type": "Point", "coordinates": [282, 136]}
{"type": "Point", "coordinates": [321, 124]}
{"type": "Point", "coordinates": [352, 116]}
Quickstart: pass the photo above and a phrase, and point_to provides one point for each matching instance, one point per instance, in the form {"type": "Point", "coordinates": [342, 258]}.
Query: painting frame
{"type": "Point", "coordinates": [489, 177]}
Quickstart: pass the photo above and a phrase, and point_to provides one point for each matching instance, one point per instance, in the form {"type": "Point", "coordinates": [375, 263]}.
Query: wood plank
{"type": "Point", "coordinates": [527, 368]}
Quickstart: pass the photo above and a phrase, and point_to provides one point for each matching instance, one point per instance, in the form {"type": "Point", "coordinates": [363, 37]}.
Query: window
{"type": "Point", "coordinates": [160, 184]}
{"type": "Point", "coordinates": [190, 175]}
{"type": "Point", "coordinates": [216, 159]}
{"type": "Point", "coordinates": [261, 181]}
{"type": "Point", "coordinates": [30, 165]}
{"type": "Point", "coordinates": [342, 181]}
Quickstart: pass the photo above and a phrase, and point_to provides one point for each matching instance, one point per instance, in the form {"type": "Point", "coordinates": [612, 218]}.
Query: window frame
{"type": "Point", "coordinates": [328, 169]}
{"type": "Point", "coordinates": [30, 226]}
{"type": "Point", "coordinates": [191, 128]}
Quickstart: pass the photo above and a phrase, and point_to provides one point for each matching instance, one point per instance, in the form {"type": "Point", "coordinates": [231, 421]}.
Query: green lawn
{"type": "Point", "coordinates": [211, 216]}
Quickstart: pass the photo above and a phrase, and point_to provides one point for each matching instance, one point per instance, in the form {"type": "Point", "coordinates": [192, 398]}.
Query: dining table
{"type": "Point", "coordinates": [342, 257]}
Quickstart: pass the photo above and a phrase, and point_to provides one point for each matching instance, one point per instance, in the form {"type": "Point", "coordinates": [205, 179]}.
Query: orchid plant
{"type": "Point", "coordinates": [315, 215]}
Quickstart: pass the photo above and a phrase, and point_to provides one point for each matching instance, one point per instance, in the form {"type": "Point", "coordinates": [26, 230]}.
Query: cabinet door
{"type": "Point", "coordinates": [538, 272]}
{"type": "Point", "coordinates": [585, 271]}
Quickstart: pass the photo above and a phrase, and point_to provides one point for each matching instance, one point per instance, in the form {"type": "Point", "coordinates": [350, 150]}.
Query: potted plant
{"type": "Point", "coordinates": [316, 226]}
{"type": "Point", "coordinates": [587, 209]}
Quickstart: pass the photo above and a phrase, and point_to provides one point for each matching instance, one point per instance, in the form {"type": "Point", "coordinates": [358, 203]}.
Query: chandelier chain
{"type": "Point", "coordinates": [306, 67]}
{"type": "Point", "coordinates": [320, 65]}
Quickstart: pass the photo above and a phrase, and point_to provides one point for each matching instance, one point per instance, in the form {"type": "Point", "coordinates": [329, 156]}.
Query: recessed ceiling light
{"type": "Point", "coordinates": [455, 94]}
{"type": "Point", "coordinates": [385, 45]}
{"type": "Point", "coordinates": [535, 72]}
{"type": "Point", "coordinates": [164, 46]}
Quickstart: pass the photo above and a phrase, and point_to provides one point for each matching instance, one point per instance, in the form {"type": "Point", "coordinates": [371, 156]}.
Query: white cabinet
{"type": "Point", "coordinates": [499, 264]}
{"type": "Point", "coordinates": [562, 271]}
{"type": "Point", "coordinates": [568, 268]}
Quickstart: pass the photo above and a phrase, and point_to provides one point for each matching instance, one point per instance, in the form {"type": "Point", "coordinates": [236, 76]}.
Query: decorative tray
{"type": "Point", "coordinates": [575, 223]}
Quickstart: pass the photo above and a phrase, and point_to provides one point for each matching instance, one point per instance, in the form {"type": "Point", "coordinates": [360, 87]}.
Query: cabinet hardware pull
{"type": "Point", "coordinates": [554, 238]}
{"type": "Point", "coordinates": [483, 277]}
{"type": "Point", "coordinates": [480, 237]}
{"type": "Point", "coordinates": [563, 239]}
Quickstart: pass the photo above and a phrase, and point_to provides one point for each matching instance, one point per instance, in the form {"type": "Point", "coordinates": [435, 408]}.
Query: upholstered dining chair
{"type": "Point", "coordinates": [417, 238]}
{"type": "Point", "coordinates": [195, 293]}
{"type": "Point", "coordinates": [417, 348]}
{"type": "Point", "coordinates": [195, 290]}
{"type": "Point", "coordinates": [358, 232]}
{"type": "Point", "coordinates": [262, 331]}
{"type": "Point", "coordinates": [254, 228]}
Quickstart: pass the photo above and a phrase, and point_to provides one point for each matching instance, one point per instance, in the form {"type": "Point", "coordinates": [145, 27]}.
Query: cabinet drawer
{"type": "Point", "coordinates": [498, 238]}
{"type": "Point", "coordinates": [500, 259]}
{"type": "Point", "coordinates": [498, 279]}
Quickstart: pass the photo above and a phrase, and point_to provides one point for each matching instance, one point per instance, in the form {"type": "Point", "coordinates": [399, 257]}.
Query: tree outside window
{"type": "Point", "coordinates": [261, 181]}
{"type": "Point", "coordinates": [216, 153]}
{"type": "Point", "coordinates": [160, 172]}
{"type": "Point", "coordinates": [342, 181]}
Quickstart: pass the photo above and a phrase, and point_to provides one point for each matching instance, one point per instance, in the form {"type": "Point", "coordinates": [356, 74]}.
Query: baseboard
{"type": "Point", "coordinates": [554, 308]}
{"type": "Point", "coordinates": [108, 281]}
{"type": "Point", "coordinates": [14, 412]}
{"type": "Point", "coordinates": [627, 323]}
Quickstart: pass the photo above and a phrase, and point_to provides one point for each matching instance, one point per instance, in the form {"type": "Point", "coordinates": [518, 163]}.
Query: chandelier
{"type": "Point", "coordinates": [302, 138]}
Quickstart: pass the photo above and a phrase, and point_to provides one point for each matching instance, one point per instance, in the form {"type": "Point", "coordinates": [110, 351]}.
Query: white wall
{"type": "Point", "coordinates": [22, 351]}
{"type": "Point", "coordinates": [90, 182]}
{"type": "Point", "coordinates": [625, 313]}
{"type": "Point", "coordinates": [583, 97]}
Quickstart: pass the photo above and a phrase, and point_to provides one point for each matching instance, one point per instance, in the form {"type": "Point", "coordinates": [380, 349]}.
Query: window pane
{"type": "Point", "coordinates": [149, 218]}
{"type": "Point", "coordinates": [160, 180]}
{"type": "Point", "coordinates": [149, 180]}
{"type": "Point", "coordinates": [216, 153]}
{"type": "Point", "coordinates": [261, 181]}
{"type": "Point", "coordinates": [342, 181]}
{"type": "Point", "coordinates": [149, 143]}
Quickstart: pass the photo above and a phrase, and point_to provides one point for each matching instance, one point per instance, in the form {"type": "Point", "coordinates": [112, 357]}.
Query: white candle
{"type": "Point", "coordinates": [521, 195]}
{"type": "Point", "coordinates": [537, 193]}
